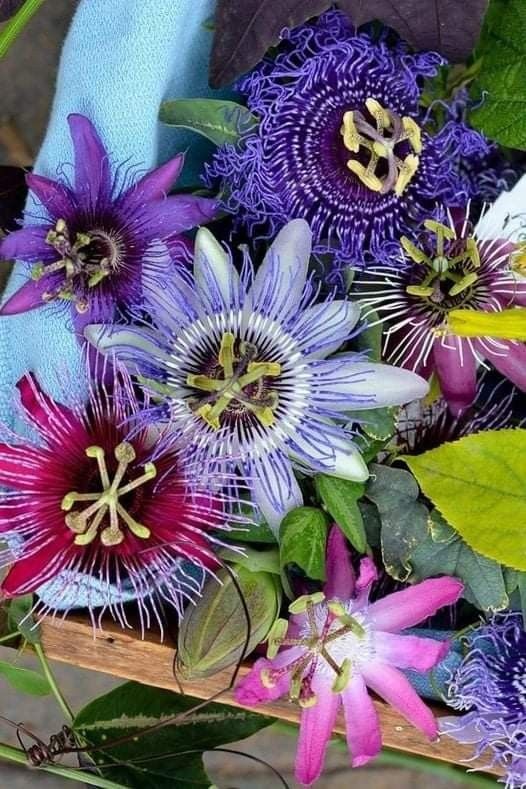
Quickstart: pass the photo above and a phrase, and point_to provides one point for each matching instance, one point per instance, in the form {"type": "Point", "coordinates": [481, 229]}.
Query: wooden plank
{"type": "Point", "coordinates": [122, 653]}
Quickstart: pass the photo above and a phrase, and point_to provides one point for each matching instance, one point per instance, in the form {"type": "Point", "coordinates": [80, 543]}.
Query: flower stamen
{"type": "Point", "coordinates": [86, 523]}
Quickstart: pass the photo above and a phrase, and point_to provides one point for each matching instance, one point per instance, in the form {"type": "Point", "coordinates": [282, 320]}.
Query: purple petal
{"type": "Point", "coordinates": [455, 366]}
{"type": "Point", "coordinates": [364, 737]}
{"type": "Point", "coordinates": [339, 571]}
{"type": "Point", "coordinates": [56, 198]}
{"type": "Point", "coordinates": [176, 214]}
{"type": "Point", "coordinates": [316, 727]}
{"type": "Point", "coordinates": [512, 364]}
{"type": "Point", "coordinates": [420, 654]}
{"type": "Point", "coordinates": [28, 244]}
{"type": "Point", "coordinates": [396, 690]}
{"type": "Point", "coordinates": [92, 167]}
{"type": "Point", "coordinates": [407, 608]}
{"type": "Point", "coordinates": [29, 296]}
{"type": "Point", "coordinates": [156, 184]}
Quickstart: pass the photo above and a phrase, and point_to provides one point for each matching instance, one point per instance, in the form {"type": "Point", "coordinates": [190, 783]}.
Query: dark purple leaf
{"type": "Point", "coordinates": [451, 27]}
{"type": "Point", "coordinates": [245, 31]}
{"type": "Point", "coordinates": [8, 8]}
{"type": "Point", "coordinates": [13, 192]}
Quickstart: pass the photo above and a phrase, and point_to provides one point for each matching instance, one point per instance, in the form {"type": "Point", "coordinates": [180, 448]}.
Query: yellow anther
{"type": "Point", "coordinates": [343, 678]}
{"type": "Point", "coordinates": [277, 633]}
{"type": "Point", "coordinates": [464, 283]}
{"type": "Point", "coordinates": [308, 701]}
{"type": "Point", "coordinates": [351, 137]}
{"type": "Point", "coordinates": [300, 605]}
{"type": "Point", "coordinates": [369, 180]}
{"type": "Point", "coordinates": [380, 150]}
{"type": "Point", "coordinates": [440, 230]}
{"type": "Point", "coordinates": [206, 413]}
{"type": "Point", "coordinates": [413, 251]}
{"type": "Point", "coordinates": [265, 676]}
{"type": "Point", "coordinates": [271, 369]}
{"type": "Point", "coordinates": [472, 251]}
{"type": "Point", "coordinates": [420, 290]}
{"type": "Point", "coordinates": [413, 132]}
{"type": "Point", "coordinates": [408, 168]}
{"type": "Point", "coordinates": [204, 383]}
{"type": "Point", "coordinates": [226, 354]}
{"type": "Point", "coordinates": [380, 115]}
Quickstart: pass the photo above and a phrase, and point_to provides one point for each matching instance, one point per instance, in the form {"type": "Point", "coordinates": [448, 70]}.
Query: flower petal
{"type": "Point", "coordinates": [323, 446]}
{"type": "Point", "coordinates": [511, 364]}
{"type": "Point", "coordinates": [274, 487]}
{"type": "Point", "coordinates": [323, 328]}
{"type": "Point", "coordinates": [407, 608]}
{"type": "Point", "coordinates": [503, 219]}
{"type": "Point", "coordinates": [455, 365]}
{"type": "Point", "coordinates": [28, 244]}
{"type": "Point", "coordinates": [92, 167]}
{"type": "Point", "coordinates": [53, 420]}
{"type": "Point", "coordinates": [402, 651]}
{"type": "Point", "coordinates": [396, 690]}
{"type": "Point", "coordinates": [279, 283]}
{"type": "Point", "coordinates": [339, 572]}
{"type": "Point", "coordinates": [130, 344]}
{"type": "Point", "coordinates": [30, 572]}
{"type": "Point", "coordinates": [316, 725]}
{"type": "Point", "coordinates": [345, 383]}
{"type": "Point", "coordinates": [364, 737]}
{"type": "Point", "coordinates": [28, 296]}
{"type": "Point", "coordinates": [156, 184]}
{"type": "Point", "coordinates": [176, 214]}
{"type": "Point", "coordinates": [251, 691]}
{"type": "Point", "coordinates": [56, 198]}
{"type": "Point", "coordinates": [216, 278]}
{"type": "Point", "coordinates": [20, 467]}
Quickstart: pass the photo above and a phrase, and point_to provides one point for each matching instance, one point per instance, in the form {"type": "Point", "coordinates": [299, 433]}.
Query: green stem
{"type": "Point", "coordinates": [63, 704]}
{"type": "Point", "coordinates": [16, 24]}
{"type": "Point", "coordinates": [81, 776]}
{"type": "Point", "coordinates": [9, 636]}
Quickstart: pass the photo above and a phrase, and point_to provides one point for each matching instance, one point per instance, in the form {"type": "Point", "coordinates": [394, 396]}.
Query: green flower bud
{"type": "Point", "coordinates": [213, 631]}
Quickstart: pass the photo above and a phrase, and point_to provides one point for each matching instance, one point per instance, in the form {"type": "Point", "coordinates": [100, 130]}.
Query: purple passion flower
{"type": "Point", "coordinates": [97, 244]}
{"type": "Point", "coordinates": [341, 143]}
{"type": "Point", "coordinates": [491, 684]}
{"type": "Point", "coordinates": [451, 267]}
{"type": "Point", "coordinates": [240, 365]}
{"type": "Point", "coordinates": [336, 645]}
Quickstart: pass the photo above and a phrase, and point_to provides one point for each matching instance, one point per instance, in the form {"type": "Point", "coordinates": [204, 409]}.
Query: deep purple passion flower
{"type": "Point", "coordinates": [97, 241]}
{"type": "Point", "coordinates": [341, 143]}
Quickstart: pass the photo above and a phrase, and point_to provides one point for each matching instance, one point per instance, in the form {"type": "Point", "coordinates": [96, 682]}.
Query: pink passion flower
{"type": "Point", "coordinates": [90, 499]}
{"type": "Point", "coordinates": [336, 645]}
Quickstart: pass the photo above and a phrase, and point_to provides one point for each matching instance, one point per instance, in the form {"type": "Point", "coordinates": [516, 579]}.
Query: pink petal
{"type": "Point", "coordinates": [251, 691]}
{"type": "Point", "coordinates": [92, 168]}
{"type": "Point", "coordinates": [513, 364]}
{"type": "Point", "coordinates": [396, 690]}
{"type": "Point", "coordinates": [20, 467]}
{"type": "Point", "coordinates": [364, 737]}
{"type": "Point", "coordinates": [28, 574]}
{"type": "Point", "coordinates": [54, 420]}
{"type": "Point", "coordinates": [28, 296]}
{"type": "Point", "coordinates": [420, 654]}
{"type": "Point", "coordinates": [28, 244]}
{"type": "Point", "coordinates": [56, 198]}
{"type": "Point", "coordinates": [339, 571]}
{"type": "Point", "coordinates": [156, 184]}
{"type": "Point", "coordinates": [455, 366]}
{"type": "Point", "coordinates": [316, 726]}
{"type": "Point", "coordinates": [414, 604]}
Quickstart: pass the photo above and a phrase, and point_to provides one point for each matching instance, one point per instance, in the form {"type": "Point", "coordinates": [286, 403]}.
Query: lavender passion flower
{"type": "Point", "coordinates": [96, 242]}
{"type": "Point", "coordinates": [341, 142]}
{"type": "Point", "coordinates": [491, 685]}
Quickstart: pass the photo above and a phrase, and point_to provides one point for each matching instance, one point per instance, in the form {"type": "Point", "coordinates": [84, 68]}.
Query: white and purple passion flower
{"type": "Point", "coordinates": [95, 242]}
{"type": "Point", "coordinates": [491, 685]}
{"type": "Point", "coordinates": [341, 142]}
{"type": "Point", "coordinates": [451, 267]}
{"type": "Point", "coordinates": [239, 362]}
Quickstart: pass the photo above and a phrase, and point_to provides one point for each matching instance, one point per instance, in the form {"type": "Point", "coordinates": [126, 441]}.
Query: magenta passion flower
{"type": "Point", "coordinates": [97, 241]}
{"type": "Point", "coordinates": [336, 645]}
{"type": "Point", "coordinates": [341, 142]}
{"type": "Point", "coordinates": [243, 365]}
{"type": "Point", "coordinates": [451, 267]}
{"type": "Point", "coordinates": [90, 500]}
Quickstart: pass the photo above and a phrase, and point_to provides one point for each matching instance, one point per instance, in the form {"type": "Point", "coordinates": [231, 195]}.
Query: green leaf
{"type": "Point", "coordinates": [132, 707]}
{"type": "Point", "coordinates": [25, 680]}
{"type": "Point", "coordinates": [501, 82]}
{"type": "Point", "coordinates": [303, 536]}
{"type": "Point", "coordinates": [265, 561]}
{"type": "Point", "coordinates": [376, 423]}
{"type": "Point", "coordinates": [218, 120]}
{"type": "Point", "coordinates": [252, 532]}
{"type": "Point", "coordinates": [403, 516]}
{"type": "Point", "coordinates": [340, 498]}
{"type": "Point", "coordinates": [479, 485]}
{"type": "Point", "coordinates": [370, 338]}
{"type": "Point", "coordinates": [444, 552]}
{"type": "Point", "coordinates": [19, 618]}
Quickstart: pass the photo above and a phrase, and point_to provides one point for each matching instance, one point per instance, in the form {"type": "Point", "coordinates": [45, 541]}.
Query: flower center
{"type": "Point", "coordinates": [449, 271]}
{"type": "Point", "coordinates": [93, 256]}
{"type": "Point", "coordinates": [387, 167]}
{"type": "Point", "coordinates": [242, 381]}
{"type": "Point", "coordinates": [86, 523]}
{"type": "Point", "coordinates": [330, 639]}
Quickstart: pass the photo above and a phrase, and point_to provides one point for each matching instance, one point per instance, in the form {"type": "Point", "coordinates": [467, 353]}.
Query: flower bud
{"type": "Point", "coordinates": [214, 630]}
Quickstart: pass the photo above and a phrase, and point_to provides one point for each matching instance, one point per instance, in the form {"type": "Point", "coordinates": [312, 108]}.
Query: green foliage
{"type": "Point", "coordinates": [19, 618]}
{"type": "Point", "coordinates": [340, 498]}
{"type": "Point", "coordinates": [479, 485]}
{"type": "Point", "coordinates": [25, 680]}
{"type": "Point", "coordinates": [303, 537]}
{"type": "Point", "coordinates": [171, 755]}
{"type": "Point", "coordinates": [251, 532]}
{"type": "Point", "coordinates": [501, 81]}
{"type": "Point", "coordinates": [218, 120]}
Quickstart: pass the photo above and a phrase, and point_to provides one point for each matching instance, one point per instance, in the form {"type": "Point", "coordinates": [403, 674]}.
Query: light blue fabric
{"type": "Point", "coordinates": [121, 58]}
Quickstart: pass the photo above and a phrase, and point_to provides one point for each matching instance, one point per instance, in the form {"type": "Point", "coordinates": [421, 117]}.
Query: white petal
{"type": "Point", "coordinates": [325, 448]}
{"type": "Point", "coordinates": [123, 341]}
{"type": "Point", "coordinates": [506, 218]}
{"type": "Point", "coordinates": [274, 487]}
{"type": "Point", "coordinates": [323, 328]}
{"type": "Point", "coordinates": [216, 278]}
